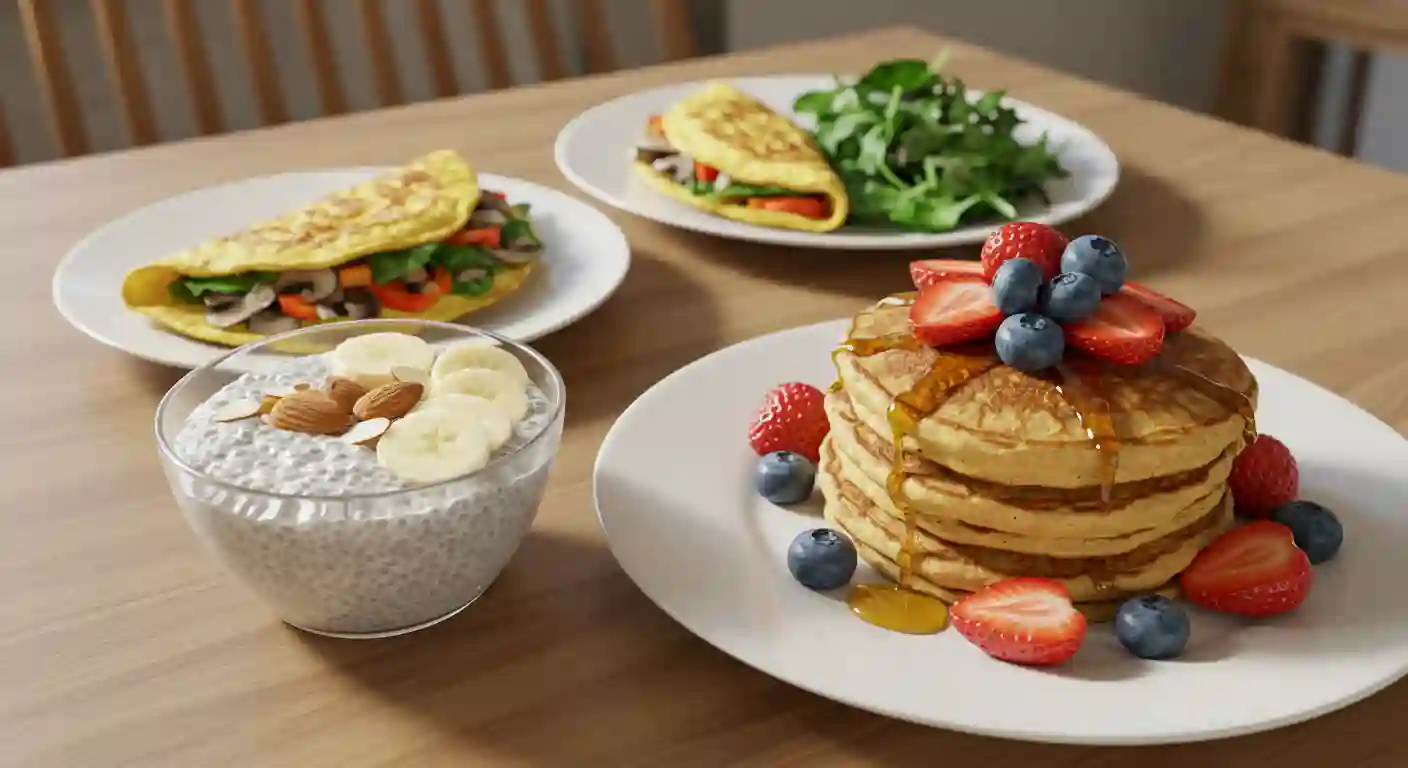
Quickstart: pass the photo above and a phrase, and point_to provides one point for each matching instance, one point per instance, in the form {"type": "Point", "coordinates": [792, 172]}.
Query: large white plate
{"type": "Point", "coordinates": [594, 152]}
{"type": "Point", "coordinates": [674, 496]}
{"type": "Point", "coordinates": [585, 258]}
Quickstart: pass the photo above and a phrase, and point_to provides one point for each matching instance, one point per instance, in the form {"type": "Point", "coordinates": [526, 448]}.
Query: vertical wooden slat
{"type": "Point", "coordinates": [55, 78]}
{"type": "Point", "coordinates": [437, 52]}
{"type": "Point", "coordinates": [191, 54]}
{"type": "Point", "coordinates": [124, 70]}
{"type": "Point", "coordinates": [1359, 64]}
{"type": "Point", "coordinates": [318, 40]}
{"type": "Point", "coordinates": [259, 58]}
{"type": "Point", "coordinates": [1230, 100]}
{"type": "Point", "coordinates": [380, 52]}
{"type": "Point", "coordinates": [491, 44]}
{"type": "Point", "coordinates": [7, 147]}
{"type": "Point", "coordinates": [596, 37]}
{"type": "Point", "coordinates": [550, 66]}
{"type": "Point", "coordinates": [673, 27]}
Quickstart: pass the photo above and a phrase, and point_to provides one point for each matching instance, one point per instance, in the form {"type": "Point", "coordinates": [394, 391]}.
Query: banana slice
{"type": "Point", "coordinates": [489, 415]}
{"type": "Point", "coordinates": [433, 445]}
{"type": "Point", "coordinates": [369, 360]}
{"type": "Point", "coordinates": [479, 354]}
{"type": "Point", "coordinates": [500, 388]}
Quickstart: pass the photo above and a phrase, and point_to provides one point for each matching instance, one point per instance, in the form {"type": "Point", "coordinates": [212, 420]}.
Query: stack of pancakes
{"type": "Point", "coordinates": [951, 471]}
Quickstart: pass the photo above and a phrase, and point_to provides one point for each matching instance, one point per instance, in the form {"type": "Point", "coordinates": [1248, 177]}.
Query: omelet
{"type": "Point", "coordinates": [725, 152]}
{"type": "Point", "coordinates": [420, 241]}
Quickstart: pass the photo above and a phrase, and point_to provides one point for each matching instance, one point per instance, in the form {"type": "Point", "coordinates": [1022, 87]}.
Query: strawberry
{"type": "Point", "coordinates": [1176, 315]}
{"type": "Point", "coordinates": [1264, 477]}
{"type": "Point", "coordinates": [956, 310]}
{"type": "Point", "coordinates": [1122, 330]}
{"type": "Point", "coordinates": [792, 419]}
{"type": "Point", "coordinates": [926, 273]}
{"type": "Point", "coordinates": [1027, 240]}
{"type": "Point", "coordinates": [1254, 570]}
{"type": "Point", "coordinates": [1024, 621]}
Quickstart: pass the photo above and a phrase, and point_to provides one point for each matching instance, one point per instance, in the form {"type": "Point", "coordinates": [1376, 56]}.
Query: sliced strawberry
{"type": "Point", "coordinates": [954, 311]}
{"type": "Point", "coordinates": [1122, 330]}
{"type": "Point", "coordinates": [1024, 621]}
{"type": "Point", "coordinates": [793, 418]}
{"type": "Point", "coordinates": [926, 273]}
{"type": "Point", "coordinates": [1255, 570]}
{"type": "Point", "coordinates": [1176, 315]}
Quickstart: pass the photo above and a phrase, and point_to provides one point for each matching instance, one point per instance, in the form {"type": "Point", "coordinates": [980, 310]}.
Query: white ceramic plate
{"type": "Point", "coordinates": [594, 152]}
{"type": "Point", "coordinates": [585, 258]}
{"type": "Point", "coordinates": [674, 495]}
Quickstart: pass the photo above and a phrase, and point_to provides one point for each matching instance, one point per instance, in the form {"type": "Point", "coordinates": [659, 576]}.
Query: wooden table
{"type": "Point", "coordinates": [123, 643]}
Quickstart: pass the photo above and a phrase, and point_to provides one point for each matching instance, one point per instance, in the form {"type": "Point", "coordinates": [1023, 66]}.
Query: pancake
{"type": "Point", "coordinates": [764, 154]}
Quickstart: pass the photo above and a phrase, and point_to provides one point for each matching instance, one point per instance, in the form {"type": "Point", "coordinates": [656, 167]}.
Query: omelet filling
{"type": "Point", "coordinates": [706, 181]}
{"type": "Point", "coordinates": [498, 235]}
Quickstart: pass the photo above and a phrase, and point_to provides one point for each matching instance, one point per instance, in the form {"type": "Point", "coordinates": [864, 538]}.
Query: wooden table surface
{"type": "Point", "coordinates": [123, 643]}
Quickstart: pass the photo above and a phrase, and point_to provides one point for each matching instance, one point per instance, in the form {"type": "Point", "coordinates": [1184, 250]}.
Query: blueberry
{"type": "Point", "coordinates": [821, 559]}
{"type": "Point", "coordinates": [1030, 342]}
{"type": "Point", "coordinates": [1016, 285]}
{"type": "Point", "coordinates": [1318, 532]}
{"type": "Point", "coordinates": [1152, 627]}
{"type": "Point", "coordinates": [1070, 297]}
{"type": "Point", "coordinates": [1098, 257]}
{"type": "Point", "coordinates": [784, 477]}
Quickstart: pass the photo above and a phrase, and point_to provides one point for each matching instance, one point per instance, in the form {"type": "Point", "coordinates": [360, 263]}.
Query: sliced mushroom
{"type": "Point", "coordinates": [650, 143]}
{"type": "Point", "coordinates": [417, 275]}
{"type": "Point", "coordinates": [678, 166]}
{"type": "Point", "coordinates": [486, 217]}
{"type": "Point", "coordinates": [257, 300]}
{"type": "Point", "coordinates": [360, 307]}
{"type": "Point", "coordinates": [218, 302]}
{"type": "Point", "coordinates": [470, 275]}
{"type": "Point", "coordinates": [272, 322]}
{"type": "Point", "coordinates": [321, 282]}
{"type": "Point", "coordinates": [326, 312]}
{"type": "Point", "coordinates": [492, 201]}
{"type": "Point", "coordinates": [722, 181]}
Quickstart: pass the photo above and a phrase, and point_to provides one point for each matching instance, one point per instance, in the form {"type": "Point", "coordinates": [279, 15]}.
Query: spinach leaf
{"type": "Point", "coordinates": [907, 74]}
{"type": "Point", "coordinates": [476, 287]}
{"type": "Point", "coordinates": [515, 231]}
{"type": "Point", "coordinates": [190, 289]}
{"type": "Point", "coordinates": [394, 265]}
{"type": "Point", "coordinates": [457, 258]}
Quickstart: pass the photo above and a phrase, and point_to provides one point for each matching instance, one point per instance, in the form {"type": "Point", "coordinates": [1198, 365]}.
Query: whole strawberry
{"type": "Point", "coordinates": [793, 418]}
{"type": "Point", "coordinates": [1264, 477]}
{"type": "Point", "coordinates": [1026, 240]}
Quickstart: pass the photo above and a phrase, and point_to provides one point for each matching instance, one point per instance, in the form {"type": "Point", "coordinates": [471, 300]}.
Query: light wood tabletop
{"type": "Point", "coordinates": [123, 643]}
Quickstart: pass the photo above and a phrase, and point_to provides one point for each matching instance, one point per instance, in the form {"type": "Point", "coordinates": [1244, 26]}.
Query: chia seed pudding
{"type": "Point", "coordinates": [333, 540]}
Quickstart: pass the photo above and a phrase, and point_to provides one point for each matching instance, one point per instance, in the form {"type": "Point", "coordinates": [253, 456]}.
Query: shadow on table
{"type": "Point", "coordinates": [1159, 228]}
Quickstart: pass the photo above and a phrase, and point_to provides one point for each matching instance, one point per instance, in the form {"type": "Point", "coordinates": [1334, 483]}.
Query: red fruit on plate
{"type": "Point", "coordinates": [954, 311]}
{"type": "Point", "coordinates": [1176, 315]}
{"type": "Point", "coordinates": [1122, 330]}
{"type": "Point", "coordinates": [929, 271]}
{"type": "Point", "coordinates": [1025, 240]}
{"type": "Point", "coordinates": [793, 418]}
{"type": "Point", "coordinates": [1024, 621]}
{"type": "Point", "coordinates": [1264, 476]}
{"type": "Point", "coordinates": [1254, 570]}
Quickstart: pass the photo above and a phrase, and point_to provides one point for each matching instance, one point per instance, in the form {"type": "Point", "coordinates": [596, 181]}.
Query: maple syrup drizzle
{"type": "Point", "coordinates": [1092, 410]}
{"type": "Point", "coordinates": [1224, 394]}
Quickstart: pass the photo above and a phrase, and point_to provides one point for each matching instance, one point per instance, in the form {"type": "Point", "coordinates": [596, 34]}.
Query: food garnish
{"type": "Point", "coordinates": [821, 559]}
{"type": "Point", "coordinates": [1027, 621]}
{"type": "Point", "coordinates": [1264, 476]}
{"type": "Point", "coordinates": [792, 418]}
{"type": "Point", "coordinates": [1254, 570]}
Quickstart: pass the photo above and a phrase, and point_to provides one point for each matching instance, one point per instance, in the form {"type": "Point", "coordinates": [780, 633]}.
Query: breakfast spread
{"type": "Point", "coordinates": [727, 153]}
{"type": "Point", "coordinates": [1030, 442]}
{"type": "Point", "coordinates": [421, 241]}
{"type": "Point", "coordinates": [373, 487]}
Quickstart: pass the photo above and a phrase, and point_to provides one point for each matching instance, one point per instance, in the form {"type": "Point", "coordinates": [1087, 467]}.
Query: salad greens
{"type": "Point", "coordinates": [914, 150]}
{"type": "Point", "coordinates": [189, 290]}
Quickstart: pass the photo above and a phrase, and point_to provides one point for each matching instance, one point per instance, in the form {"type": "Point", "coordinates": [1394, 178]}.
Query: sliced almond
{"type": "Point", "coordinates": [390, 401]}
{"type": "Point", "coordinates": [311, 412]}
{"type": "Point", "coordinates": [285, 391]}
{"type": "Point", "coordinates": [345, 392]}
{"type": "Point", "coordinates": [366, 432]}
{"type": "Point", "coordinates": [267, 404]}
{"type": "Point", "coordinates": [237, 410]}
{"type": "Point", "coordinates": [410, 375]}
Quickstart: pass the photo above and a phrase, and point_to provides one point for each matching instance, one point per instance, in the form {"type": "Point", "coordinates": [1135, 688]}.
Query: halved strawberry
{"type": "Point", "coordinates": [1122, 330]}
{"type": "Point", "coordinates": [1176, 315]}
{"type": "Point", "coordinates": [1024, 621]}
{"type": "Point", "coordinates": [953, 311]}
{"type": "Point", "coordinates": [1255, 570]}
{"type": "Point", "coordinates": [929, 271]}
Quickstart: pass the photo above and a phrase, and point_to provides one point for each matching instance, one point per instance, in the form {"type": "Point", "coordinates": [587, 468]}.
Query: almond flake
{"type": "Point", "coordinates": [236, 411]}
{"type": "Point", "coordinates": [366, 432]}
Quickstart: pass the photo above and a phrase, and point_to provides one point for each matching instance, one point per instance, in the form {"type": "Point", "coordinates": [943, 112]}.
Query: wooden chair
{"type": "Point", "coordinates": [1273, 54]}
{"type": "Point", "coordinates": [133, 98]}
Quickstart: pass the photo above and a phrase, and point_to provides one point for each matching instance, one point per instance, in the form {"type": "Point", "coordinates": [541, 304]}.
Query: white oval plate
{"type": "Point", "coordinates": [585, 258]}
{"type": "Point", "coordinates": [594, 152]}
{"type": "Point", "coordinates": [682, 518]}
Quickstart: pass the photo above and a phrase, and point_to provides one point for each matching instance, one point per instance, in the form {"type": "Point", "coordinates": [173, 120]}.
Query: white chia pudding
{"type": "Point", "coordinates": [333, 540]}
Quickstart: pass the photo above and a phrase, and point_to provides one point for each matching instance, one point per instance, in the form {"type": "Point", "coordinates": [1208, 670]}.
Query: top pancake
{"type": "Point", "coordinates": [1174, 414]}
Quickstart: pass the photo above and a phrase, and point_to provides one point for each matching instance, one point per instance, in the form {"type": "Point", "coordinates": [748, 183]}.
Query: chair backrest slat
{"type": "Point", "coordinates": [41, 33]}
{"type": "Point", "coordinates": [259, 58]}
{"type": "Point", "coordinates": [673, 28]}
{"type": "Point", "coordinates": [317, 41]}
{"type": "Point", "coordinates": [596, 37]}
{"type": "Point", "coordinates": [437, 52]}
{"type": "Point", "coordinates": [550, 66]}
{"type": "Point", "coordinates": [124, 71]}
{"type": "Point", "coordinates": [380, 53]}
{"type": "Point", "coordinates": [7, 145]}
{"type": "Point", "coordinates": [194, 61]}
{"type": "Point", "coordinates": [493, 56]}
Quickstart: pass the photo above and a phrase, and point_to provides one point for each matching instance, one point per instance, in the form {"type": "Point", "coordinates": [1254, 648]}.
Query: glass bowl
{"type": "Point", "coordinates": [350, 559]}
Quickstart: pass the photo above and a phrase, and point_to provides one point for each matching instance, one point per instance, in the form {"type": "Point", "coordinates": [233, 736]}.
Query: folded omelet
{"type": "Point", "coordinates": [725, 152]}
{"type": "Point", "coordinates": [419, 241]}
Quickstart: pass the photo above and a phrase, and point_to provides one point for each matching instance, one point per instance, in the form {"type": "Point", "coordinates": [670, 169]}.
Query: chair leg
{"type": "Point", "coordinates": [1359, 69]}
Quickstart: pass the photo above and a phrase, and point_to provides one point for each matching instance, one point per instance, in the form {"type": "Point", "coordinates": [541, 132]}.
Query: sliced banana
{"type": "Point", "coordinates": [498, 387]}
{"type": "Point", "coordinates": [490, 416]}
{"type": "Point", "coordinates": [369, 360]}
{"type": "Point", "coordinates": [479, 354]}
{"type": "Point", "coordinates": [433, 445]}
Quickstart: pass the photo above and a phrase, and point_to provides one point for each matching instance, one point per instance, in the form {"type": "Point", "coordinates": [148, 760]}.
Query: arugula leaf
{"type": "Point", "coordinates": [394, 265]}
{"type": "Point", "coordinates": [907, 74]}
{"type": "Point", "coordinates": [520, 210]}
{"type": "Point", "coordinates": [190, 289]}
{"type": "Point", "coordinates": [515, 230]}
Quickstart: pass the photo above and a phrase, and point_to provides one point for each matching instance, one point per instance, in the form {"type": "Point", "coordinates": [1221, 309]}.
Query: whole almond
{"type": "Point", "coordinates": [389, 401]}
{"type": "Point", "coordinates": [311, 412]}
{"type": "Point", "coordinates": [345, 392]}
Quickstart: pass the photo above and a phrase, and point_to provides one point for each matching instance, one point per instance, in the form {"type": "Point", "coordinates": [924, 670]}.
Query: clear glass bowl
{"type": "Point", "coordinates": [358, 563]}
